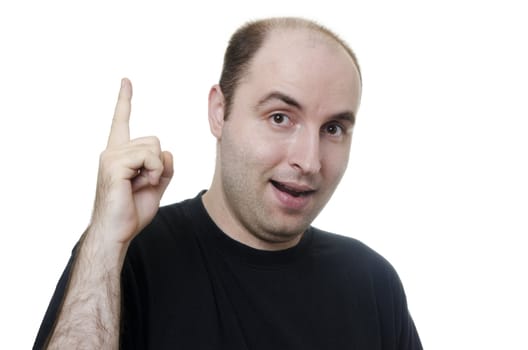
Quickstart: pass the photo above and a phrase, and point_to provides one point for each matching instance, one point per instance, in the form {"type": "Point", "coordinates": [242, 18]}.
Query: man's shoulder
{"type": "Point", "coordinates": [341, 244]}
{"type": "Point", "coordinates": [172, 225]}
{"type": "Point", "coordinates": [179, 214]}
{"type": "Point", "coordinates": [350, 253]}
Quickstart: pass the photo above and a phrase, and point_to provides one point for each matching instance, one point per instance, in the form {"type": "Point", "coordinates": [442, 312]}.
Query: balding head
{"type": "Point", "coordinates": [249, 38]}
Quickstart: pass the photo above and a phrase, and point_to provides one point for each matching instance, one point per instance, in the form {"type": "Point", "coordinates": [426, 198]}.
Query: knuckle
{"type": "Point", "coordinates": [103, 157]}
{"type": "Point", "coordinates": [152, 141]}
{"type": "Point", "coordinates": [155, 142]}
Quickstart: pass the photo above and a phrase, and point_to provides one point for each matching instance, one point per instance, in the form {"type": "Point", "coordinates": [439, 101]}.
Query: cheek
{"type": "Point", "coordinates": [250, 151]}
{"type": "Point", "coordinates": [267, 153]}
{"type": "Point", "coordinates": [335, 162]}
{"type": "Point", "coordinates": [263, 149]}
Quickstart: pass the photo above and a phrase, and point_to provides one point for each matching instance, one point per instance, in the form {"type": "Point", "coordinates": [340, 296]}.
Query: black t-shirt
{"type": "Point", "coordinates": [187, 285]}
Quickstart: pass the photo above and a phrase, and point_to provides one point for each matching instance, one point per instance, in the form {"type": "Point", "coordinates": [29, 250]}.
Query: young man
{"type": "Point", "coordinates": [238, 266]}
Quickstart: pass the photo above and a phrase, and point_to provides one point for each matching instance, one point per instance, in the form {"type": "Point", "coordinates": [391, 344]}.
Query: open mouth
{"type": "Point", "coordinates": [289, 190]}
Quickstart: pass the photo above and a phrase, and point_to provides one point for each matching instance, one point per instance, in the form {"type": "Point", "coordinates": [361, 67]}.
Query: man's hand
{"type": "Point", "coordinates": [133, 174]}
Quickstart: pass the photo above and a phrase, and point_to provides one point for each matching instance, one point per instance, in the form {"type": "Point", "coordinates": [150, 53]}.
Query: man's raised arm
{"type": "Point", "coordinates": [133, 174]}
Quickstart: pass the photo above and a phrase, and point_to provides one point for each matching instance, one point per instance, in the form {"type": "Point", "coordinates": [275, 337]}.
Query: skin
{"type": "Point", "coordinates": [288, 128]}
{"type": "Point", "coordinates": [133, 174]}
{"type": "Point", "coordinates": [289, 132]}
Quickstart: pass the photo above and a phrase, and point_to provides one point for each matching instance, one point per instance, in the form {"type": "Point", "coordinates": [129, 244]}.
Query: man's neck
{"type": "Point", "coordinates": [217, 208]}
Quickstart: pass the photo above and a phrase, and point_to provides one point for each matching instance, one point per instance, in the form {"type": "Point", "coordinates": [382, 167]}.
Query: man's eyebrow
{"type": "Point", "coordinates": [346, 116]}
{"type": "Point", "coordinates": [277, 95]}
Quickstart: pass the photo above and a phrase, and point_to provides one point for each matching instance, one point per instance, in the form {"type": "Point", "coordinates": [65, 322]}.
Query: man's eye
{"type": "Point", "coordinates": [334, 129]}
{"type": "Point", "coordinates": [280, 119]}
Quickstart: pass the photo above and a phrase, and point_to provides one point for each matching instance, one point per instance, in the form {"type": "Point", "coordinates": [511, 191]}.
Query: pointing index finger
{"type": "Point", "coordinates": [120, 131]}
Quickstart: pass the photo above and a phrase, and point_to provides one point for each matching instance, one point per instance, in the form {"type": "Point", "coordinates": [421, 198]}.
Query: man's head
{"type": "Point", "coordinates": [248, 39]}
{"type": "Point", "coordinates": [284, 133]}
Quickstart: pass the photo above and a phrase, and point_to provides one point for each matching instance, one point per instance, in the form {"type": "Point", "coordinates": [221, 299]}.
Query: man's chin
{"type": "Point", "coordinates": [282, 228]}
{"type": "Point", "coordinates": [279, 239]}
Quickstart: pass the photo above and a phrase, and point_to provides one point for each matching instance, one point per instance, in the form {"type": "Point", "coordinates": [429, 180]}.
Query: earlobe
{"type": "Point", "coordinates": [216, 111]}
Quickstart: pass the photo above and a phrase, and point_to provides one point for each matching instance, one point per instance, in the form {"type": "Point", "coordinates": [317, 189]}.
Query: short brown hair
{"type": "Point", "coordinates": [248, 39]}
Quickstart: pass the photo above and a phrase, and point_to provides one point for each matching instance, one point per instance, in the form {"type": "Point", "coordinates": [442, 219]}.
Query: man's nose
{"type": "Point", "coordinates": [304, 152]}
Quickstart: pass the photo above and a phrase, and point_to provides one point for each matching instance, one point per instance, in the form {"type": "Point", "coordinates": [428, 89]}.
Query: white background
{"type": "Point", "coordinates": [437, 181]}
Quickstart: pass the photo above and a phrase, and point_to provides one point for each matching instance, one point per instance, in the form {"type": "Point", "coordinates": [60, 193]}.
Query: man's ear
{"type": "Point", "coordinates": [216, 111]}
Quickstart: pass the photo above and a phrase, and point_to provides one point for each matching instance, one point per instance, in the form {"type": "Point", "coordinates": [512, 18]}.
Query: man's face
{"type": "Point", "coordinates": [285, 145]}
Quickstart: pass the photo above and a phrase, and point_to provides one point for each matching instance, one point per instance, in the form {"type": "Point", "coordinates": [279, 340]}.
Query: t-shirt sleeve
{"type": "Point", "coordinates": [397, 326]}
{"type": "Point", "coordinates": [50, 317]}
{"type": "Point", "coordinates": [132, 333]}
{"type": "Point", "coordinates": [408, 335]}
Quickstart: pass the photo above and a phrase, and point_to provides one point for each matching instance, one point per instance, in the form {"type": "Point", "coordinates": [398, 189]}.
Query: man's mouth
{"type": "Point", "coordinates": [295, 191]}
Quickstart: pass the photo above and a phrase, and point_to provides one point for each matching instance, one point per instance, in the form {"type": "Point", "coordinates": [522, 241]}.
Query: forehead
{"type": "Point", "coordinates": [307, 65]}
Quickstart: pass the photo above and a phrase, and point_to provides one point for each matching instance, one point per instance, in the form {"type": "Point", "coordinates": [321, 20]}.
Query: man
{"type": "Point", "coordinates": [238, 266]}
